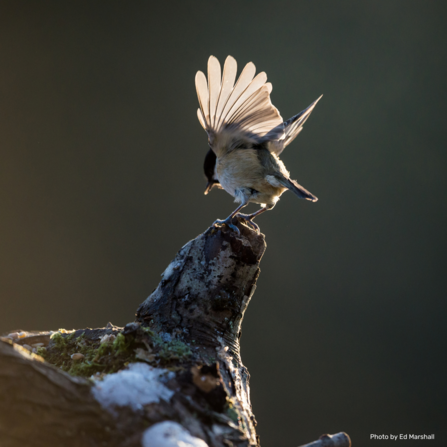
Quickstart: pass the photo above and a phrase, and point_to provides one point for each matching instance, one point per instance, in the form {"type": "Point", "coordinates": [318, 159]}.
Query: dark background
{"type": "Point", "coordinates": [101, 183]}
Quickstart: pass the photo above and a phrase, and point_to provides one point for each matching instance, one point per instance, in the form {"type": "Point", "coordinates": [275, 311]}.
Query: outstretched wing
{"type": "Point", "coordinates": [282, 135]}
{"type": "Point", "coordinates": [235, 114]}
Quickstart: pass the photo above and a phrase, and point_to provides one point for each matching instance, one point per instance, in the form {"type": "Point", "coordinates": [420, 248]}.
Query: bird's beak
{"type": "Point", "coordinates": [209, 187]}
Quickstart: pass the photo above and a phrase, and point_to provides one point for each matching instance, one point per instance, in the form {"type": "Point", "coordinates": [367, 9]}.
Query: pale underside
{"type": "Point", "coordinates": [248, 185]}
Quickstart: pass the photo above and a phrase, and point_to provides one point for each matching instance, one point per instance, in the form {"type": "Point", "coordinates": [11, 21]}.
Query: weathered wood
{"type": "Point", "coordinates": [203, 297]}
{"type": "Point", "coordinates": [41, 405]}
{"type": "Point", "coordinates": [189, 326]}
{"type": "Point", "coordinates": [174, 372]}
{"type": "Point", "coordinates": [338, 440]}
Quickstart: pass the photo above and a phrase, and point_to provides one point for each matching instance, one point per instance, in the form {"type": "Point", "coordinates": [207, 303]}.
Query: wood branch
{"type": "Point", "coordinates": [338, 440]}
{"type": "Point", "coordinates": [203, 297]}
{"type": "Point", "coordinates": [174, 373]}
{"type": "Point", "coordinates": [41, 405]}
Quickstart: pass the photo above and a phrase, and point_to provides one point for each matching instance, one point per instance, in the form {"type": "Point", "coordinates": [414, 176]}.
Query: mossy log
{"type": "Point", "coordinates": [174, 374]}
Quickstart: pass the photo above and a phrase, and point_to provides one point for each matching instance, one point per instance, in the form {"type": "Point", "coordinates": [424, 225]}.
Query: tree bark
{"type": "Point", "coordinates": [190, 382]}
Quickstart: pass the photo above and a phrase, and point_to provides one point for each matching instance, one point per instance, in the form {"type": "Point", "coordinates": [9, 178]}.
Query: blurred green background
{"type": "Point", "coordinates": [101, 183]}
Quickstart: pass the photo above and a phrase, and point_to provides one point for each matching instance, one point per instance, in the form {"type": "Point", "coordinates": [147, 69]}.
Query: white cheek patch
{"type": "Point", "coordinates": [273, 181]}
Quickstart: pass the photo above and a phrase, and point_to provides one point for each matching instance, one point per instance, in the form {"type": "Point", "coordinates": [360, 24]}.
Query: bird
{"type": "Point", "coordinates": [246, 135]}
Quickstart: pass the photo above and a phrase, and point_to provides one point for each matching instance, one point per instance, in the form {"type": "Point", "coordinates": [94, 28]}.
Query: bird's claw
{"type": "Point", "coordinates": [228, 223]}
{"type": "Point", "coordinates": [247, 218]}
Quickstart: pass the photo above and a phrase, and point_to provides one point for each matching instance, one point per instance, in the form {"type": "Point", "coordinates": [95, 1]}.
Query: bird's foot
{"type": "Point", "coordinates": [248, 219]}
{"type": "Point", "coordinates": [228, 222]}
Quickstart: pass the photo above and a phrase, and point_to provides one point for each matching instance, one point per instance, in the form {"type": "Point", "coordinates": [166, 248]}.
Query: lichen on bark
{"type": "Point", "coordinates": [189, 326]}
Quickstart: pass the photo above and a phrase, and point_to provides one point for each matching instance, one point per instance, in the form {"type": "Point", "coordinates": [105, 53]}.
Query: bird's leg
{"type": "Point", "coordinates": [228, 220]}
{"type": "Point", "coordinates": [249, 217]}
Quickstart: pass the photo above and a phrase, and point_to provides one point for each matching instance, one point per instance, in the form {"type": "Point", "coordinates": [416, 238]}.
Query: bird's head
{"type": "Point", "coordinates": [209, 167]}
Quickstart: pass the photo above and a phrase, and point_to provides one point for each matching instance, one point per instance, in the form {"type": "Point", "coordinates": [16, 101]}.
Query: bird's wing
{"type": "Point", "coordinates": [235, 113]}
{"type": "Point", "coordinates": [282, 135]}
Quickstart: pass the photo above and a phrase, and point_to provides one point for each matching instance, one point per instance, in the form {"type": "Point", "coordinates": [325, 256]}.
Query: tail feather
{"type": "Point", "coordinates": [295, 187]}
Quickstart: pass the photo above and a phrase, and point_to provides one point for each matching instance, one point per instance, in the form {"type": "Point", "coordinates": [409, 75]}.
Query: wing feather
{"type": "Point", "coordinates": [228, 78]}
{"type": "Point", "coordinates": [257, 114]}
{"type": "Point", "coordinates": [214, 85]}
{"type": "Point", "coordinates": [201, 118]}
{"type": "Point", "coordinates": [203, 95]}
{"type": "Point", "coordinates": [224, 103]}
{"type": "Point", "coordinates": [242, 83]}
{"type": "Point", "coordinates": [234, 114]}
{"type": "Point", "coordinates": [294, 125]}
{"type": "Point", "coordinates": [286, 132]}
{"type": "Point", "coordinates": [256, 102]}
{"type": "Point", "coordinates": [252, 88]}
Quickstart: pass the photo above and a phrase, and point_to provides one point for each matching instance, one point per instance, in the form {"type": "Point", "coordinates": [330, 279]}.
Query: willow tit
{"type": "Point", "coordinates": [246, 134]}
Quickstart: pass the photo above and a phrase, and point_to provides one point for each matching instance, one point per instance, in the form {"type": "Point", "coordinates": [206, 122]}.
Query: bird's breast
{"type": "Point", "coordinates": [242, 169]}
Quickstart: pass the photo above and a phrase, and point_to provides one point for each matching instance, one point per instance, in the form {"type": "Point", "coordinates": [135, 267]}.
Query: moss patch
{"type": "Point", "coordinates": [113, 354]}
{"type": "Point", "coordinates": [97, 357]}
{"type": "Point", "coordinates": [232, 412]}
{"type": "Point", "coordinates": [120, 344]}
{"type": "Point", "coordinates": [174, 350]}
{"type": "Point", "coordinates": [167, 351]}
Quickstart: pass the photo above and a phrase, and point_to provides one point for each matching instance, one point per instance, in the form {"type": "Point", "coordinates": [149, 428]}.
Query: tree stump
{"type": "Point", "coordinates": [174, 374]}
